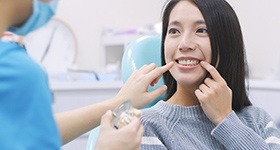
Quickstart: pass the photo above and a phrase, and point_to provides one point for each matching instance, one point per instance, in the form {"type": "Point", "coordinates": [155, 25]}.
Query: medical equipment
{"type": "Point", "coordinates": [124, 114]}
{"type": "Point", "coordinates": [54, 46]}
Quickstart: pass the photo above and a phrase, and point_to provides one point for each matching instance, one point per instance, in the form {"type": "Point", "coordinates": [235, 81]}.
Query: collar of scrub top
{"type": "Point", "coordinates": [13, 38]}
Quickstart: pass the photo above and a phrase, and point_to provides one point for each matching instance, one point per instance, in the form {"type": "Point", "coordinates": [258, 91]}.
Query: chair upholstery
{"type": "Point", "coordinates": [144, 50]}
{"type": "Point", "coordinates": [92, 139]}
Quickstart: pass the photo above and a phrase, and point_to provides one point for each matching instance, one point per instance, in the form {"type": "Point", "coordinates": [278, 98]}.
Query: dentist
{"type": "Point", "coordinates": [26, 118]}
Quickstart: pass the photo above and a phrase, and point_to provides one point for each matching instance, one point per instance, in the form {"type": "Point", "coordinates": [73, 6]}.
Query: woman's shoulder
{"type": "Point", "coordinates": [155, 116]}
{"type": "Point", "coordinates": [150, 114]}
{"type": "Point", "coordinates": [254, 114]}
{"type": "Point", "coordinates": [253, 111]}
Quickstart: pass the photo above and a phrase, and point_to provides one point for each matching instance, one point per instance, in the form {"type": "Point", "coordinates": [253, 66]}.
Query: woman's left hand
{"type": "Point", "coordinates": [214, 95]}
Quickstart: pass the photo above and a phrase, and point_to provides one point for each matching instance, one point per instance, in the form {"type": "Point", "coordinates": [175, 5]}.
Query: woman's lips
{"type": "Point", "coordinates": [187, 63]}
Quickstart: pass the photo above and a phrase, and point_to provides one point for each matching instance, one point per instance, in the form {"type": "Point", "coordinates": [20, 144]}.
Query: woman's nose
{"type": "Point", "coordinates": [187, 43]}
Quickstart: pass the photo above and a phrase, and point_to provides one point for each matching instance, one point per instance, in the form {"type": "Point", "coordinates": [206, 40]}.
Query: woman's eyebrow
{"type": "Point", "coordinates": [199, 22]}
{"type": "Point", "coordinates": [177, 23]}
{"type": "Point", "coordinates": [174, 23]}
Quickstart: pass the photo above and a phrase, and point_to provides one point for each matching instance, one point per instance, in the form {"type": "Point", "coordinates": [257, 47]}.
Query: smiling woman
{"type": "Point", "coordinates": [187, 42]}
{"type": "Point", "coordinates": [207, 106]}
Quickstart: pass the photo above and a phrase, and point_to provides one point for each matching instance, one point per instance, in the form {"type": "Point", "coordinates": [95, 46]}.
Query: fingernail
{"type": "Point", "coordinates": [202, 62]}
{"type": "Point", "coordinates": [108, 112]}
{"type": "Point", "coordinates": [164, 87]}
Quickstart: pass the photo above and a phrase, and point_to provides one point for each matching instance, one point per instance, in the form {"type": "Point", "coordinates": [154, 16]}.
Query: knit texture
{"type": "Point", "coordinates": [175, 127]}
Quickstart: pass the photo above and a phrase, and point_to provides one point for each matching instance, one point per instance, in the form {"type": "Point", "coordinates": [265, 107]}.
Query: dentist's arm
{"type": "Point", "coordinates": [74, 123]}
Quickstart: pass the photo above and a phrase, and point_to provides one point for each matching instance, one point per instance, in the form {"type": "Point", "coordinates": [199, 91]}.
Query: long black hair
{"type": "Point", "coordinates": [226, 43]}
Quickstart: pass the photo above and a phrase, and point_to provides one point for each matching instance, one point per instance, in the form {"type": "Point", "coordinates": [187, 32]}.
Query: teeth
{"type": "Point", "coordinates": [188, 62]}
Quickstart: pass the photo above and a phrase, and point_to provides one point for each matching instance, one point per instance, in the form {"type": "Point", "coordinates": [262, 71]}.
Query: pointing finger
{"type": "Point", "coordinates": [159, 71]}
{"type": "Point", "coordinates": [213, 71]}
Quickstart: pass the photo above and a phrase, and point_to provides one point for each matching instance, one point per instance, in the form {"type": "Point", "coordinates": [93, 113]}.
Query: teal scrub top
{"type": "Point", "coordinates": [26, 118]}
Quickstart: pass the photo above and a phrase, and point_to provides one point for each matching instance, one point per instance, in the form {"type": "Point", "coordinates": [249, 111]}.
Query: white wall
{"type": "Point", "coordinates": [260, 22]}
{"type": "Point", "coordinates": [89, 17]}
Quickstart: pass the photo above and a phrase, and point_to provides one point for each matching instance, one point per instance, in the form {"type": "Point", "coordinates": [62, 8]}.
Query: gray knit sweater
{"type": "Point", "coordinates": [175, 127]}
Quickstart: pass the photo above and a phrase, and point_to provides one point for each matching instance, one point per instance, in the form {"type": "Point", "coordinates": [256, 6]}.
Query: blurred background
{"type": "Point", "coordinates": [82, 47]}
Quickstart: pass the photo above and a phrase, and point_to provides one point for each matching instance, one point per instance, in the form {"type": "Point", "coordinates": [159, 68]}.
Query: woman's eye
{"type": "Point", "coordinates": [173, 31]}
{"type": "Point", "coordinates": [202, 31]}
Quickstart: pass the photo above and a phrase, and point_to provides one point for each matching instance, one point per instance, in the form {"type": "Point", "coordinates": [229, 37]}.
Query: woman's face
{"type": "Point", "coordinates": [187, 43]}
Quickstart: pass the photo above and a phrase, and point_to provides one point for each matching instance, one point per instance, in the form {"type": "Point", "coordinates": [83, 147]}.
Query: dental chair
{"type": "Point", "coordinates": [144, 50]}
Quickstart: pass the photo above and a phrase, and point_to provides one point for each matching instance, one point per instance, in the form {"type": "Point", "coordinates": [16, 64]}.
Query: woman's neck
{"type": "Point", "coordinates": [184, 97]}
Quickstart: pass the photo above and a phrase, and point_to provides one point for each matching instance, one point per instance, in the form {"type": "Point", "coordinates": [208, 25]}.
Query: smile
{"type": "Point", "coordinates": [188, 62]}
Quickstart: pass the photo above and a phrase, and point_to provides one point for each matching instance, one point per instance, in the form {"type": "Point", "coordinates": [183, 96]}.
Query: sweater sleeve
{"type": "Point", "coordinates": [258, 133]}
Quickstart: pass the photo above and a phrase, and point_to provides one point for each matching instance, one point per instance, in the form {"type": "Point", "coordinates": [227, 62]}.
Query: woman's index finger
{"type": "Point", "coordinates": [213, 71]}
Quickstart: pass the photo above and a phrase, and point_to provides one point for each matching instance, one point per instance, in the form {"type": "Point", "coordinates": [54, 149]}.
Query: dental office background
{"type": "Point", "coordinates": [81, 49]}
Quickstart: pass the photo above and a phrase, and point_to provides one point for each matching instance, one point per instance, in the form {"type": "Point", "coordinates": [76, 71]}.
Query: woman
{"type": "Point", "coordinates": [26, 117]}
{"type": "Point", "coordinates": [207, 106]}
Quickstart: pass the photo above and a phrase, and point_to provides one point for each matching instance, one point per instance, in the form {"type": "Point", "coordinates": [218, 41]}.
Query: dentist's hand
{"type": "Point", "coordinates": [214, 95]}
{"type": "Point", "coordinates": [126, 138]}
{"type": "Point", "coordinates": [136, 87]}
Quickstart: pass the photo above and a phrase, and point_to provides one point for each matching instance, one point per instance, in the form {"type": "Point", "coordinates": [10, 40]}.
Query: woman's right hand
{"type": "Point", "coordinates": [126, 138]}
{"type": "Point", "coordinates": [136, 87]}
{"type": "Point", "coordinates": [214, 95]}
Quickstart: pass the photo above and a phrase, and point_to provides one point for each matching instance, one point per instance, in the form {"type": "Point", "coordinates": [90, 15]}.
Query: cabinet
{"type": "Point", "coordinates": [71, 95]}
{"type": "Point", "coordinates": [114, 47]}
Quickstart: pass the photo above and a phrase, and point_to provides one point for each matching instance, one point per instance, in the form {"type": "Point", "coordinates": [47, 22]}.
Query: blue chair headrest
{"type": "Point", "coordinates": [144, 50]}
